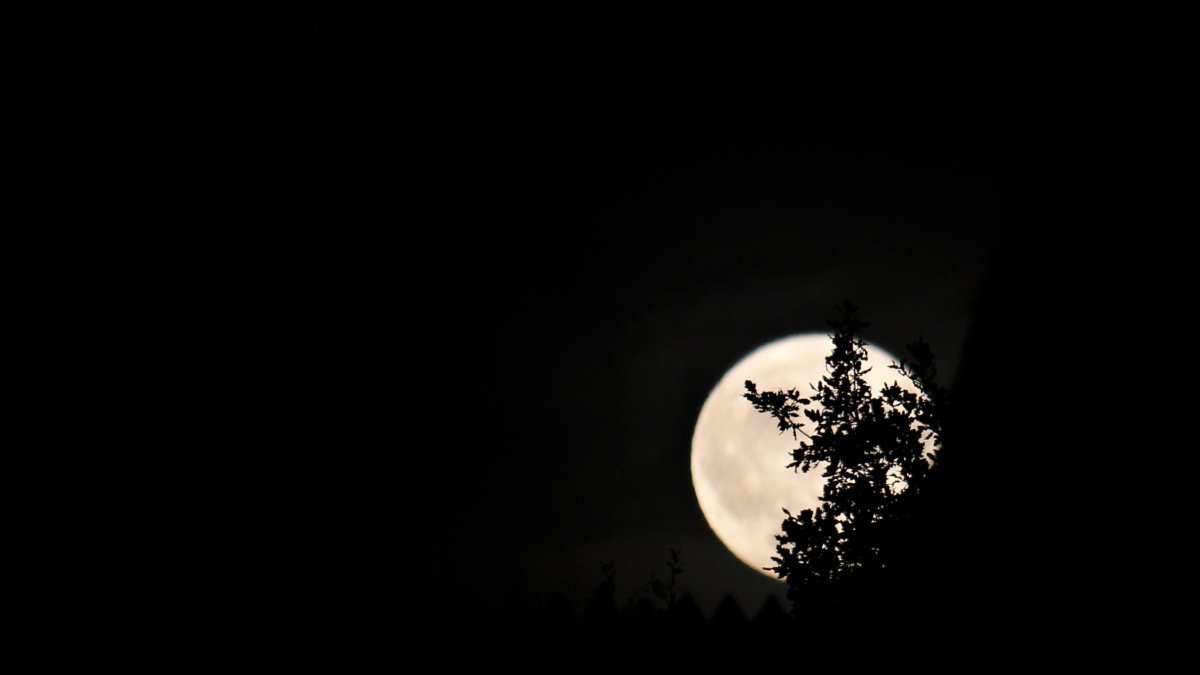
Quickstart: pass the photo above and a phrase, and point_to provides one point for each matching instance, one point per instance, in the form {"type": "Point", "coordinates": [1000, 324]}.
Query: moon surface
{"type": "Point", "coordinates": [739, 457]}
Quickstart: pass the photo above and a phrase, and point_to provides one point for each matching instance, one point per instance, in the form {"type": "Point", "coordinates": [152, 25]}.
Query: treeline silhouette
{"type": "Point", "coordinates": [867, 626]}
{"type": "Point", "coordinates": [644, 632]}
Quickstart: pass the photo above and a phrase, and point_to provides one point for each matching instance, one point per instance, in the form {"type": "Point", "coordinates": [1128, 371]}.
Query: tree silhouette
{"type": "Point", "coordinates": [602, 604]}
{"type": "Point", "coordinates": [668, 591]}
{"type": "Point", "coordinates": [875, 451]}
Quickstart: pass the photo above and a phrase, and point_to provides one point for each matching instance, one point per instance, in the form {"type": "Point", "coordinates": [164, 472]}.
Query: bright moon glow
{"type": "Point", "coordinates": [739, 458]}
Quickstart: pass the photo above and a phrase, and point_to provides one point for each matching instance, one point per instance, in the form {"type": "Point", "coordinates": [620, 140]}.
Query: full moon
{"type": "Point", "coordinates": [739, 457]}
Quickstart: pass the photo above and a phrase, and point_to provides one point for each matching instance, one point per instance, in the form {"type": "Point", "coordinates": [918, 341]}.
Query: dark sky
{"type": "Point", "coordinates": [500, 256]}
{"type": "Point", "coordinates": [613, 363]}
{"type": "Point", "coordinates": [329, 308]}
{"type": "Point", "coordinates": [710, 185]}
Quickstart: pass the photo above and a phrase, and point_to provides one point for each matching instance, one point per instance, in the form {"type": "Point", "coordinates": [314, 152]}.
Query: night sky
{"type": "Point", "coordinates": [329, 314]}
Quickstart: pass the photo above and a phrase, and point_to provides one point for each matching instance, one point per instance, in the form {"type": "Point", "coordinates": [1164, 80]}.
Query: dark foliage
{"type": "Point", "coordinates": [602, 603]}
{"type": "Point", "coordinates": [667, 591]}
{"type": "Point", "coordinates": [874, 450]}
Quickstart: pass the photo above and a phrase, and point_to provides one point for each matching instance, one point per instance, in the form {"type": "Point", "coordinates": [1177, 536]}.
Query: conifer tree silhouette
{"type": "Point", "coordinates": [875, 451]}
